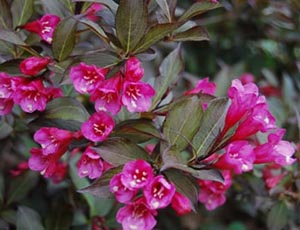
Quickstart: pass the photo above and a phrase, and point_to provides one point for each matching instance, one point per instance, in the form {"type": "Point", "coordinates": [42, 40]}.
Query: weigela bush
{"type": "Point", "coordinates": [94, 112]}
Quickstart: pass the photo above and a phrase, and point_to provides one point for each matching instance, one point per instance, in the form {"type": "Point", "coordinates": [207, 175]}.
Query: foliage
{"type": "Point", "coordinates": [98, 116]}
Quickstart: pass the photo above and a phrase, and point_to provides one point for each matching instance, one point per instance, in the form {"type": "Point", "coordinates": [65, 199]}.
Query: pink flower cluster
{"type": "Point", "coordinates": [46, 25]}
{"type": "Point", "coordinates": [247, 115]}
{"type": "Point", "coordinates": [31, 93]}
{"type": "Point", "coordinates": [139, 210]}
{"type": "Point", "coordinates": [109, 95]}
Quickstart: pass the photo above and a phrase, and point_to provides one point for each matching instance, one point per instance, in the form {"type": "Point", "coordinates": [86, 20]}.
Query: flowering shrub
{"type": "Point", "coordinates": [123, 143]}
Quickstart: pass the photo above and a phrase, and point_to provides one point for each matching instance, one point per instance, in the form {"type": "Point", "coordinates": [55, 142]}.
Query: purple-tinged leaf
{"type": "Point", "coordinates": [196, 33]}
{"type": "Point", "coordinates": [118, 151]}
{"type": "Point", "coordinates": [11, 37]}
{"type": "Point", "coordinates": [28, 218]}
{"type": "Point", "coordinates": [199, 8]}
{"type": "Point", "coordinates": [22, 11]}
{"type": "Point", "coordinates": [131, 23]}
{"type": "Point", "coordinates": [5, 15]}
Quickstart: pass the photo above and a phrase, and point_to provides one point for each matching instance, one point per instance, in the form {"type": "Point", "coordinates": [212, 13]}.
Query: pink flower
{"type": "Point", "coordinates": [212, 193]}
{"type": "Point", "coordinates": [32, 95]}
{"type": "Point", "coordinates": [275, 150]}
{"type": "Point", "coordinates": [181, 204]}
{"type": "Point", "coordinates": [243, 99]}
{"type": "Point", "coordinates": [33, 65]}
{"type": "Point", "coordinates": [22, 167]}
{"type": "Point", "coordinates": [46, 164]}
{"type": "Point", "coordinates": [6, 106]}
{"type": "Point", "coordinates": [159, 193]}
{"type": "Point", "coordinates": [44, 27]}
{"type": "Point", "coordinates": [136, 216]}
{"type": "Point", "coordinates": [137, 96]}
{"type": "Point", "coordinates": [97, 127]}
{"type": "Point", "coordinates": [203, 86]}
{"type": "Point", "coordinates": [133, 70]}
{"type": "Point", "coordinates": [247, 78]}
{"type": "Point", "coordinates": [91, 12]}
{"type": "Point", "coordinates": [107, 97]}
{"type": "Point", "coordinates": [238, 157]}
{"type": "Point", "coordinates": [6, 86]}
{"type": "Point", "coordinates": [136, 174]}
{"type": "Point", "coordinates": [90, 164]}
{"type": "Point", "coordinates": [53, 140]}
{"type": "Point", "coordinates": [272, 175]}
{"type": "Point", "coordinates": [60, 172]}
{"type": "Point", "coordinates": [86, 77]}
{"type": "Point", "coordinates": [121, 192]}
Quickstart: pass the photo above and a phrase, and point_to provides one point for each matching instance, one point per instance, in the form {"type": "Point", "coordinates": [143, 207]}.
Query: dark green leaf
{"type": "Point", "coordinates": [172, 159]}
{"type": "Point", "coordinates": [21, 10]}
{"type": "Point", "coordinates": [278, 216]}
{"type": "Point", "coordinates": [118, 151]}
{"type": "Point", "coordinates": [199, 8]}
{"type": "Point", "coordinates": [183, 121]}
{"type": "Point", "coordinates": [109, 3]}
{"type": "Point", "coordinates": [103, 59]}
{"type": "Point", "coordinates": [100, 187]}
{"type": "Point", "coordinates": [21, 186]}
{"type": "Point", "coordinates": [59, 217]}
{"type": "Point", "coordinates": [163, 4]}
{"type": "Point", "coordinates": [28, 219]}
{"type": "Point", "coordinates": [169, 70]}
{"type": "Point", "coordinates": [5, 15]}
{"type": "Point", "coordinates": [139, 130]}
{"type": "Point", "coordinates": [155, 34]}
{"type": "Point", "coordinates": [185, 185]}
{"type": "Point", "coordinates": [131, 23]}
{"type": "Point", "coordinates": [9, 215]}
{"type": "Point", "coordinates": [55, 7]}
{"type": "Point", "coordinates": [11, 37]}
{"type": "Point", "coordinates": [64, 38]}
{"type": "Point", "coordinates": [2, 188]}
{"type": "Point", "coordinates": [65, 113]}
{"type": "Point", "coordinates": [196, 33]}
{"type": "Point", "coordinates": [212, 123]}
{"type": "Point", "coordinates": [5, 130]}
{"type": "Point", "coordinates": [95, 28]}
{"type": "Point", "coordinates": [11, 66]}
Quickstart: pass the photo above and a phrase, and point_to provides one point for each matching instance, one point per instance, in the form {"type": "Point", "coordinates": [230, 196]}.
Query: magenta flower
{"type": "Point", "coordinates": [53, 140]}
{"type": "Point", "coordinates": [86, 77]}
{"type": "Point", "coordinates": [136, 216]}
{"type": "Point", "coordinates": [258, 119]}
{"type": "Point", "coordinates": [133, 70]}
{"type": "Point", "coordinates": [90, 164]}
{"type": "Point", "coordinates": [159, 193]}
{"type": "Point", "coordinates": [6, 106]}
{"type": "Point", "coordinates": [32, 95]}
{"type": "Point", "coordinates": [137, 96]}
{"type": "Point", "coordinates": [136, 174]}
{"type": "Point", "coordinates": [46, 164]}
{"type": "Point", "coordinates": [107, 96]}
{"type": "Point", "coordinates": [60, 172]}
{"type": "Point", "coordinates": [44, 27]}
{"type": "Point", "coordinates": [97, 127]}
{"type": "Point", "coordinates": [181, 204]}
{"type": "Point", "coordinates": [203, 86]}
{"type": "Point", "coordinates": [121, 192]}
{"type": "Point", "coordinates": [275, 150]}
{"type": "Point", "coordinates": [243, 99]}
{"type": "Point", "coordinates": [238, 157]}
{"type": "Point", "coordinates": [212, 193]}
{"type": "Point", "coordinates": [33, 65]}
{"type": "Point", "coordinates": [91, 12]}
{"type": "Point", "coordinates": [246, 78]}
{"type": "Point", "coordinates": [272, 175]}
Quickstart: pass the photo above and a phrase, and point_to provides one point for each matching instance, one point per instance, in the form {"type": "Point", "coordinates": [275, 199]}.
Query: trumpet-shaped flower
{"type": "Point", "coordinates": [136, 174]}
{"type": "Point", "coordinates": [33, 65]}
{"type": "Point", "coordinates": [137, 96]}
{"type": "Point", "coordinates": [90, 164]}
{"type": "Point", "coordinates": [97, 127]}
{"type": "Point", "coordinates": [44, 27]}
{"type": "Point", "coordinates": [133, 70]}
{"type": "Point", "coordinates": [136, 216]}
{"type": "Point", "coordinates": [159, 193]}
